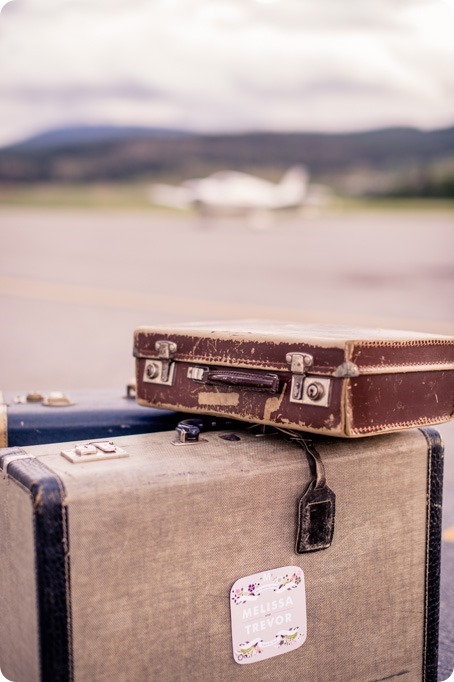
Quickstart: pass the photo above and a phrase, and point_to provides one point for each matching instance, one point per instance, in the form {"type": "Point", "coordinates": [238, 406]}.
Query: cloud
{"type": "Point", "coordinates": [3, 3]}
{"type": "Point", "coordinates": [225, 64]}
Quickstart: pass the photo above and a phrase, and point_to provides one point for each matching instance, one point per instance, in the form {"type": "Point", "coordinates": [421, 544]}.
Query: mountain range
{"type": "Point", "coordinates": [108, 153]}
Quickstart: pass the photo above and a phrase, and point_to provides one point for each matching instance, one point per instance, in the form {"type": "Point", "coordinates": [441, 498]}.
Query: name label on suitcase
{"type": "Point", "coordinates": [268, 612]}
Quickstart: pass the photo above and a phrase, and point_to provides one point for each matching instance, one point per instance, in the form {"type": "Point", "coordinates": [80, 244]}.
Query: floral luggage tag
{"type": "Point", "coordinates": [268, 613]}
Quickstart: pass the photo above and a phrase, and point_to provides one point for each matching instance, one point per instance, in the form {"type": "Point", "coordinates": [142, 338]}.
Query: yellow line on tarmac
{"type": "Point", "coordinates": [129, 300]}
{"type": "Point", "coordinates": [448, 534]}
{"type": "Point", "coordinates": [80, 294]}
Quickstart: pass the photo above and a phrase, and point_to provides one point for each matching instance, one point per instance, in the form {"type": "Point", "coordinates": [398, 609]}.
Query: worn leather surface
{"type": "Point", "coordinates": [433, 559]}
{"type": "Point", "coordinates": [395, 380]}
{"type": "Point", "coordinates": [242, 350]}
{"type": "Point", "coordinates": [316, 512]}
{"type": "Point", "coordinates": [52, 563]}
{"type": "Point", "coordinates": [398, 400]}
{"type": "Point", "coordinates": [187, 395]}
{"type": "Point", "coordinates": [358, 406]}
{"type": "Point", "coordinates": [252, 343]}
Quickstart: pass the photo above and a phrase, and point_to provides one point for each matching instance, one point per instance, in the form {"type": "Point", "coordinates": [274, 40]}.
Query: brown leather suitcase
{"type": "Point", "coordinates": [338, 381]}
{"type": "Point", "coordinates": [137, 560]}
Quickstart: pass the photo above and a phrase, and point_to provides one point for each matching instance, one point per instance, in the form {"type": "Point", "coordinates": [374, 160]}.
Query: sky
{"type": "Point", "coordinates": [225, 65]}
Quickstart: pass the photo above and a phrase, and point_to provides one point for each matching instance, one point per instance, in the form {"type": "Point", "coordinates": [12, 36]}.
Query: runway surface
{"type": "Point", "coordinates": [74, 285]}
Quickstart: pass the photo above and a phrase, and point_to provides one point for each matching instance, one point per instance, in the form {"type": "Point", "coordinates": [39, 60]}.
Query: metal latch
{"type": "Point", "coordinates": [197, 373]}
{"type": "Point", "coordinates": [188, 432]}
{"type": "Point", "coordinates": [53, 399]}
{"type": "Point", "coordinates": [94, 452]}
{"type": "Point", "coordinates": [57, 399]}
{"type": "Point", "coordinates": [299, 362]}
{"type": "Point", "coordinates": [161, 371]}
{"type": "Point", "coordinates": [131, 390]}
{"type": "Point", "coordinates": [307, 390]}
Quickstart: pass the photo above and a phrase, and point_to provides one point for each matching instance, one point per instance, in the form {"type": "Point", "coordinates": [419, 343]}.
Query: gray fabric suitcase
{"type": "Point", "coordinates": [131, 561]}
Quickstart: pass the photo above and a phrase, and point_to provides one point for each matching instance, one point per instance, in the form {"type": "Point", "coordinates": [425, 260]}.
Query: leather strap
{"type": "Point", "coordinates": [52, 561]}
{"type": "Point", "coordinates": [433, 554]}
{"type": "Point", "coordinates": [3, 423]}
{"type": "Point", "coordinates": [317, 507]}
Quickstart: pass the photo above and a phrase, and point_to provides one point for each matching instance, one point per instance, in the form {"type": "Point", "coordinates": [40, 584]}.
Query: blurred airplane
{"type": "Point", "coordinates": [232, 192]}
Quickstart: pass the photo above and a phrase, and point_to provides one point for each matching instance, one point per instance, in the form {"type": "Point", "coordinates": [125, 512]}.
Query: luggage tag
{"type": "Point", "coordinates": [316, 508]}
{"type": "Point", "coordinates": [268, 614]}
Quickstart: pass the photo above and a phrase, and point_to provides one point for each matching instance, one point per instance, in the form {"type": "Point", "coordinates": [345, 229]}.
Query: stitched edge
{"type": "Point", "coordinates": [399, 344]}
{"type": "Point", "coordinates": [443, 363]}
{"type": "Point", "coordinates": [404, 425]}
{"type": "Point", "coordinates": [323, 370]}
{"type": "Point", "coordinates": [229, 362]}
{"type": "Point", "coordinates": [433, 554]}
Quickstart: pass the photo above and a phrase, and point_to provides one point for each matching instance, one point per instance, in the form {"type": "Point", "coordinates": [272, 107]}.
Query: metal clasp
{"type": "Point", "coordinates": [131, 390]}
{"type": "Point", "coordinates": [53, 399]}
{"type": "Point", "coordinates": [188, 432]}
{"type": "Point", "coordinates": [197, 373]}
{"type": "Point", "coordinates": [299, 362]}
{"type": "Point", "coordinates": [304, 389]}
{"type": "Point", "coordinates": [166, 349]}
{"type": "Point", "coordinates": [161, 371]}
{"type": "Point", "coordinates": [94, 452]}
{"type": "Point", "coordinates": [57, 399]}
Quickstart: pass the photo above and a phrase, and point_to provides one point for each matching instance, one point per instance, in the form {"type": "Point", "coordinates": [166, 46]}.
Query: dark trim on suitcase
{"type": "Point", "coordinates": [433, 555]}
{"type": "Point", "coordinates": [50, 520]}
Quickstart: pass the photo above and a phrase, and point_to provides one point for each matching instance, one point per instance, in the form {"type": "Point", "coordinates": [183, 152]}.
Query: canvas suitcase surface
{"type": "Point", "coordinates": [338, 381]}
{"type": "Point", "coordinates": [94, 413]}
{"type": "Point", "coordinates": [133, 568]}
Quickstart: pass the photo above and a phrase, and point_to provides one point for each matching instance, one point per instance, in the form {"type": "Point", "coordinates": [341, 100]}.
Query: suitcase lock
{"type": "Point", "coordinates": [307, 390]}
{"type": "Point", "coordinates": [162, 370]}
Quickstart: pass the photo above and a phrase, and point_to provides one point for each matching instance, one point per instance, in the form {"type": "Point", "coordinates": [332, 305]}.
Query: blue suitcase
{"type": "Point", "coordinates": [33, 418]}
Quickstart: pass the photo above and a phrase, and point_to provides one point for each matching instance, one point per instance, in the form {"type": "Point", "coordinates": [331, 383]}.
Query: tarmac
{"type": "Point", "coordinates": [75, 283]}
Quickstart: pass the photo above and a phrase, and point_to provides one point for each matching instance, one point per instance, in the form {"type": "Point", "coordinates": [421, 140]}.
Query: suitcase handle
{"type": "Point", "coordinates": [268, 383]}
